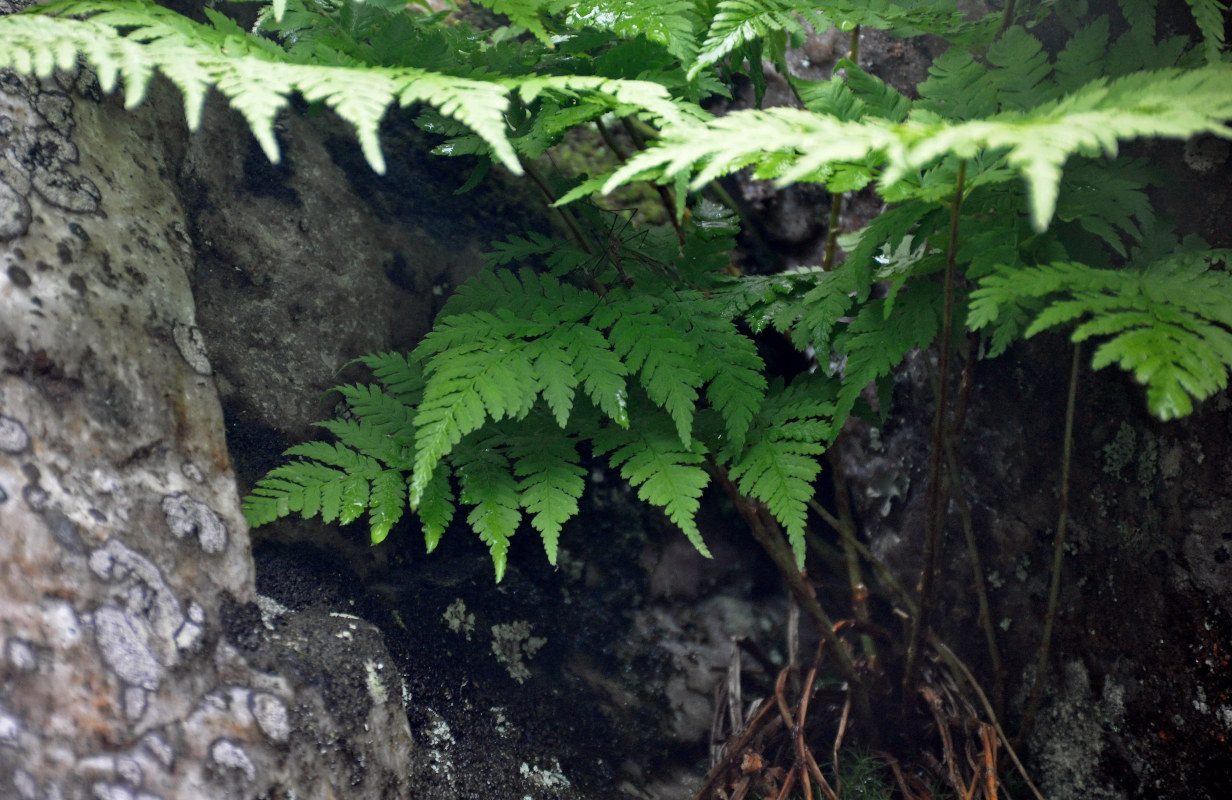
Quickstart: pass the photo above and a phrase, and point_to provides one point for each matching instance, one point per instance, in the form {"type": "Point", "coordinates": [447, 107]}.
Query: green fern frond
{"type": "Point", "coordinates": [551, 481]}
{"type": "Point", "coordinates": [1170, 324]}
{"type": "Point", "coordinates": [737, 22]}
{"type": "Point", "coordinates": [398, 373]}
{"type": "Point", "coordinates": [781, 463]}
{"type": "Point", "coordinates": [1037, 142]}
{"type": "Point", "coordinates": [333, 482]}
{"type": "Point", "coordinates": [524, 13]}
{"type": "Point", "coordinates": [254, 75]}
{"type": "Point", "coordinates": [667, 23]}
{"type": "Point", "coordinates": [601, 373]}
{"type": "Point", "coordinates": [436, 509]}
{"type": "Point", "coordinates": [1110, 203]}
{"type": "Point", "coordinates": [1209, 14]}
{"type": "Point", "coordinates": [369, 440]}
{"type": "Point", "coordinates": [1081, 60]}
{"type": "Point", "coordinates": [875, 342]}
{"type": "Point", "coordinates": [624, 97]}
{"type": "Point", "coordinates": [667, 474]}
{"type": "Point", "coordinates": [386, 503]}
{"type": "Point", "coordinates": [487, 484]}
{"type": "Point", "coordinates": [492, 377]}
{"type": "Point", "coordinates": [726, 360]}
{"type": "Point", "coordinates": [664, 358]}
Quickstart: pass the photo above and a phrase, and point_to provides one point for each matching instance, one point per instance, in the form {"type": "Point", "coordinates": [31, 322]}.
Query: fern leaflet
{"type": "Point", "coordinates": [665, 473]}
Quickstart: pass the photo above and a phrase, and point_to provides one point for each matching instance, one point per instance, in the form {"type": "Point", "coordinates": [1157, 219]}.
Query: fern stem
{"type": "Point", "coordinates": [836, 204]}
{"type": "Point", "coordinates": [568, 219]}
{"type": "Point", "coordinates": [984, 615]}
{"type": "Point", "coordinates": [665, 195]}
{"type": "Point", "coordinates": [606, 136]}
{"type": "Point", "coordinates": [937, 496]}
{"type": "Point", "coordinates": [884, 575]}
{"type": "Point", "coordinates": [1058, 552]}
{"type": "Point", "coordinates": [1007, 19]}
{"type": "Point", "coordinates": [855, 576]}
{"type": "Point", "coordinates": [955, 662]}
{"type": "Point", "coordinates": [765, 531]}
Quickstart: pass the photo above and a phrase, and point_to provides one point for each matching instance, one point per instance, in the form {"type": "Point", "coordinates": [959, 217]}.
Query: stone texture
{"type": "Point", "coordinates": [125, 565]}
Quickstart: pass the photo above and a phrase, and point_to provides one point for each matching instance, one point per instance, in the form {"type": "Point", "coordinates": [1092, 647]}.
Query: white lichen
{"type": "Point", "coordinates": [458, 620]}
{"type": "Point", "coordinates": [511, 643]}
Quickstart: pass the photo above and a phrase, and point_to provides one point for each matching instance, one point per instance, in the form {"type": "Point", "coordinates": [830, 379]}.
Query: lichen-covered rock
{"type": "Point", "coordinates": [124, 561]}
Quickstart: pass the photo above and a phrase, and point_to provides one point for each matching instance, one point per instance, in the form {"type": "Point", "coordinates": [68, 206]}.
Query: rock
{"type": "Point", "coordinates": [126, 671]}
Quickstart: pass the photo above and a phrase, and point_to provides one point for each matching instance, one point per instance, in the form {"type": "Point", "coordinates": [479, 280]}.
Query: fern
{"type": "Point", "coordinates": [1209, 14]}
{"type": "Point", "coordinates": [333, 482]}
{"type": "Point", "coordinates": [639, 342]}
{"type": "Point", "coordinates": [1036, 142]}
{"type": "Point", "coordinates": [665, 472]}
{"type": "Point", "coordinates": [780, 466]}
{"type": "Point", "coordinates": [1169, 322]}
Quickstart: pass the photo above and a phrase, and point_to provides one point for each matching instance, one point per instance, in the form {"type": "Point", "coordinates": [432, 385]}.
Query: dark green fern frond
{"type": "Point", "coordinates": [779, 466]}
{"type": "Point", "coordinates": [398, 374]}
{"type": "Point", "coordinates": [881, 334]}
{"type": "Point", "coordinates": [1210, 14]}
{"type": "Point", "coordinates": [1170, 323]}
{"type": "Point", "coordinates": [436, 509]}
{"type": "Point", "coordinates": [666, 473]}
{"type": "Point", "coordinates": [726, 360]}
{"type": "Point", "coordinates": [526, 13]}
{"type": "Point", "coordinates": [1111, 204]}
{"type": "Point", "coordinates": [550, 482]}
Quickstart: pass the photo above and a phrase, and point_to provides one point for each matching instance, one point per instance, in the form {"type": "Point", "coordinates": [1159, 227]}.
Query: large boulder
{"type": "Point", "coordinates": [133, 658]}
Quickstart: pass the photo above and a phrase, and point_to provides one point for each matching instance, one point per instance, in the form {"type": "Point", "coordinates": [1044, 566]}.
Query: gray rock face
{"type": "Point", "coordinates": [128, 623]}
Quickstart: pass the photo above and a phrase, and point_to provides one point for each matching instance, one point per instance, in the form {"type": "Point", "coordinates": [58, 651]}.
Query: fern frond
{"type": "Point", "coordinates": [669, 23]}
{"type": "Point", "coordinates": [1209, 14]}
{"type": "Point", "coordinates": [254, 75]}
{"type": "Point", "coordinates": [488, 485]}
{"type": "Point", "coordinates": [1036, 143]}
{"type": "Point", "coordinates": [780, 465]}
{"type": "Point", "coordinates": [551, 481]}
{"type": "Point", "coordinates": [600, 372]}
{"type": "Point", "coordinates": [400, 375]}
{"type": "Point", "coordinates": [664, 358]}
{"type": "Point", "coordinates": [878, 338]}
{"type": "Point", "coordinates": [369, 440]}
{"type": "Point", "coordinates": [1170, 323]}
{"type": "Point", "coordinates": [738, 22]}
{"type": "Point", "coordinates": [331, 481]}
{"type": "Point", "coordinates": [664, 472]}
{"type": "Point", "coordinates": [726, 360]}
{"type": "Point", "coordinates": [436, 509]}
{"type": "Point", "coordinates": [652, 100]}
{"type": "Point", "coordinates": [1081, 60]}
{"type": "Point", "coordinates": [525, 13]}
{"type": "Point", "coordinates": [1110, 203]}
{"type": "Point", "coordinates": [490, 377]}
